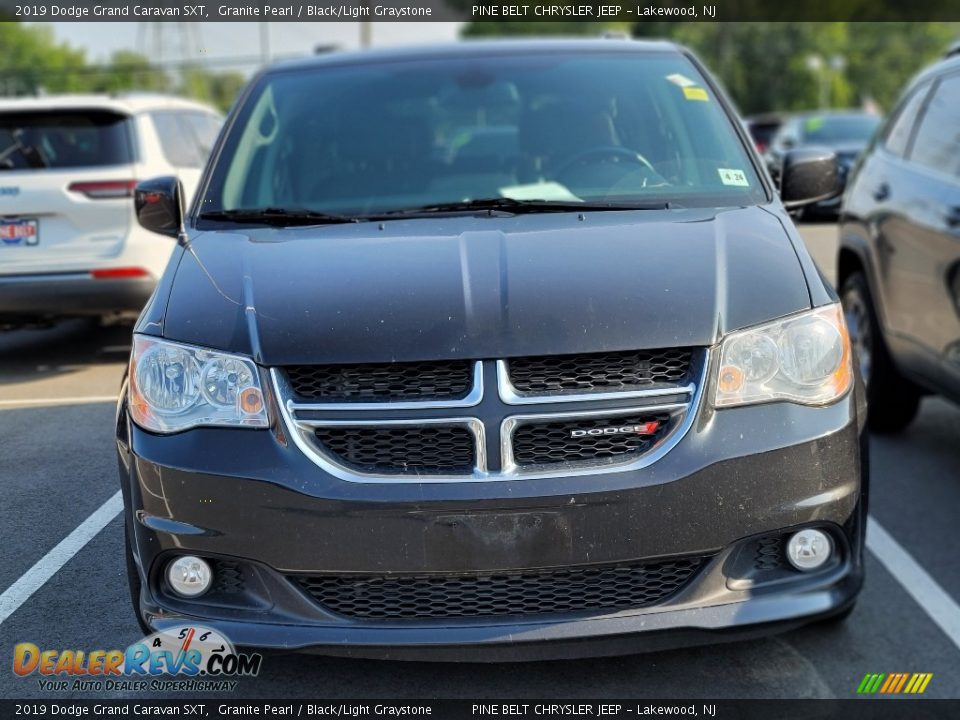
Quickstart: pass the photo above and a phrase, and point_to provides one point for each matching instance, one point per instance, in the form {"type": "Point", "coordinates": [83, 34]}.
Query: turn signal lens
{"type": "Point", "coordinates": [804, 359]}
{"type": "Point", "coordinates": [174, 387]}
{"type": "Point", "coordinates": [731, 379]}
{"type": "Point", "coordinates": [251, 401]}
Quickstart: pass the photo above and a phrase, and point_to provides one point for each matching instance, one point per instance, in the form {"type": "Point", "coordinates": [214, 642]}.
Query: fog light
{"type": "Point", "coordinates": [809, 549]}
{"type": "Point", "coordinates": [189, 576]}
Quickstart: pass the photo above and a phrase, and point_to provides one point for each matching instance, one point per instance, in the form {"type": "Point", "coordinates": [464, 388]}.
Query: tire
{"type": "Point", "coordinates": [892, 400]}
{"type": "Point", "coordinates": [133, 580]}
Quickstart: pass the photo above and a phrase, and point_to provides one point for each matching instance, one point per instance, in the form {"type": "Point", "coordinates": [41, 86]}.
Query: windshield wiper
{"type": "Point", "coordinates": [518, 206]}
{"type": "Point", "coordinates": [278, 216]}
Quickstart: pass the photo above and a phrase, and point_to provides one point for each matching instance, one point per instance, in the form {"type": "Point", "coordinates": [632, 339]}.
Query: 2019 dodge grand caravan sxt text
{"type": "Point", "coordinates": [491, 351]}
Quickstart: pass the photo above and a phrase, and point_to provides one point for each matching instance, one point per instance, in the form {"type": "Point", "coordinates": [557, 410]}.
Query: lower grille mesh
{"type": "Point", "coordinates": [399, 450]}
{"type": "Point", "coordinates": [535, 592]}
{"type": "Point", "coordinates": [545, 442]}
{"type": "Point", "coordinates": [229, 577]}
{"type": "Point", "coordinates": [769, 554]}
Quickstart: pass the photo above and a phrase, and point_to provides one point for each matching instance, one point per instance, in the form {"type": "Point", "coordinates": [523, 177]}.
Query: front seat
{"type": "Point", "coordinates": [551, 135]}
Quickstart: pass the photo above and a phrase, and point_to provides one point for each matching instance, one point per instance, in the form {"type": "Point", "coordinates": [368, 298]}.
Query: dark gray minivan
{"type": "Point", "coordinates": [491, 351]}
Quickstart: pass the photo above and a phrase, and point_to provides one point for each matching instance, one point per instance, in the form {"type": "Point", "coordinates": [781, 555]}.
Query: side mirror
{"type": "Point", "coordinates": [159, 205]}
{"type": "Point", "coordinates": [809, 175]}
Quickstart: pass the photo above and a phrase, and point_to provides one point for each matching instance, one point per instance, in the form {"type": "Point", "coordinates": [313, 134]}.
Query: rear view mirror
{"type": "Point", "coordinates": [809, 175]}
{"type": "Point", "coordinates": [159, 205]}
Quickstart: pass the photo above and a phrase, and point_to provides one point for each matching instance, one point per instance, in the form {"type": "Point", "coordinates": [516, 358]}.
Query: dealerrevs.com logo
{"type": "Point", "coordinates": [199, 658]}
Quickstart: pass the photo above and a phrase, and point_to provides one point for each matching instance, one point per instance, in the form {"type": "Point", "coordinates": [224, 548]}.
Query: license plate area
{"type": "Point", "coordinates": [19, 232]}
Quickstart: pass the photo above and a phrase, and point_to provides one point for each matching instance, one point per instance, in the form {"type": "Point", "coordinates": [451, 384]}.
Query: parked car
{"type": "Point", "coordinates": [69, 241]}
{"type": "Point", "coordinates": [596, 400]}
{"type": "Point", "coordinates": [762, 129]}
{"type": "Point", "coordinates": [899, 262]}
{"type": "Point", "coordinates": [846, 133]}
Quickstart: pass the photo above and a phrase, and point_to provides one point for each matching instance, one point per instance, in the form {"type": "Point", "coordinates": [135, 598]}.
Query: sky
{"type": "Point", "coordinates": [239, 39]}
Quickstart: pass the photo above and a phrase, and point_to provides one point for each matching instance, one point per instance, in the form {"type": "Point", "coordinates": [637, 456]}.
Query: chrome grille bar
{"type": "Point", "coordinates": [681, 402]}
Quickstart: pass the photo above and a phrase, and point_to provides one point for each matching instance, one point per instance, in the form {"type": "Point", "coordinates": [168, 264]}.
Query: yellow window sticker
{"type": "Point", "coordinates": [696, 93]}
{"type": "Point", "coordinates": [731, 176]}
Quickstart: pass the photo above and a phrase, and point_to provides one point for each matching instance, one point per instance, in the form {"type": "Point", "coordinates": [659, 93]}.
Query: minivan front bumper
{"type": "Point", "coordinates": [739, 477]}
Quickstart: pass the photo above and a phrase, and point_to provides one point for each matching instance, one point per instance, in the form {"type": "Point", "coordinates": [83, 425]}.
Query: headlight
{"type": "Point", "coordinates": [804, 359]}
{"type": "Point", "coordinates": [174, 387]}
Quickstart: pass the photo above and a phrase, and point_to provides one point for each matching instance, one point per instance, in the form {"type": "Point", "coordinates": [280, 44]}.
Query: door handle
{"type": "Point", "coordinates": [881, 192]}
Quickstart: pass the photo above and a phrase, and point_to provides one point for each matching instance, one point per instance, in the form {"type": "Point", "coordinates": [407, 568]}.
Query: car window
{"type": "Point", "coordinates": [63, 139]}
{"type": "Point", "coordinates": [205, 129]}
{"type": "Point", "coordinates": [787, 136]}
{"type": "Point", "coordinates": [900, 128]}
{"type": "Point", "coordinates": [834, 129]}
{"type": "Point", "coordinates": [937, 141]}
{"type": "Point", "coordinates": [367, 138]}
{"type": "Point", "coordinates": [177, 139]}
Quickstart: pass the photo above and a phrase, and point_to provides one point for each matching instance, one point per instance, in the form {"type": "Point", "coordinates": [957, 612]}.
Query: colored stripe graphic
{"type": "Point", "coordinates": [903, 681]}
{"type": "Point", "coordinates": [894, 683]}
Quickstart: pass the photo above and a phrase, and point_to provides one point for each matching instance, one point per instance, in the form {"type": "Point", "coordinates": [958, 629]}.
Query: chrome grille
{"type": "Point", "coordinates": [402, 449]}
{"type": "Point", "coordinates": [381, 434]}
{"type": "Point", "coordinates": [546, 442]}
{"type": "Point", "coordinates": [445, 380]}
{"type": "Point", "coordinates": [512, 593]}
{"type": "Point", "coordinates": [599, 372]}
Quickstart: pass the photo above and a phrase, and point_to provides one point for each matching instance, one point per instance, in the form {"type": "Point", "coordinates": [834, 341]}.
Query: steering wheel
{"type": "Point", "coordinates": [600, 153]}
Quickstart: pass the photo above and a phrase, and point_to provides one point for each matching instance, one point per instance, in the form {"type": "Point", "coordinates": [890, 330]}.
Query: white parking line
{"type": "Point", "coordinates": [47, 566]}
{"type": "Point", "coordinates": [48, 402]}
{"type": "Point", "coordinates": [928, 594]}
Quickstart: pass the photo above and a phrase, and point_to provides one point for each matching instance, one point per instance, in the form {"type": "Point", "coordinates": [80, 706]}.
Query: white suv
{"type": "Point", "coordinates": [69, 241]}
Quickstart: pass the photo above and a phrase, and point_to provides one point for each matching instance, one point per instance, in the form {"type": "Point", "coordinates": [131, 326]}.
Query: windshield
{"type": "Point", "coordinates": [839, 128]}
{"type": "Point", "coordinates": [63, 139]}
{"type": "Point", "coordinates": [572, 127]}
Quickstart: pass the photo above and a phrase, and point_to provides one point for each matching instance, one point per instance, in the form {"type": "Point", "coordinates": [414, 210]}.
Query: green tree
{"type": "Point", "coordinates": [217, 88]}
{"type": "Point", "coordinates": [882, 56]}
{"type": "Point", "coordinates": [33, 61]}
{"type": "Point", "coordinates": [797, 66]}
{"type": "Point", "coordinates": [129, 70]}
{"type": "Point", "coordinates": [785, 66]}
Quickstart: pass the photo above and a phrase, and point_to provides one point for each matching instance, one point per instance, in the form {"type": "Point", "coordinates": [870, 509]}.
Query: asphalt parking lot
{"type": "Point", "coordinates": [57, 469]}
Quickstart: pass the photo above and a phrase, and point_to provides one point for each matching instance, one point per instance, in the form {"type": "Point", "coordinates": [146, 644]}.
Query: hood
{"type": "Point", "coordinates": [484, 287]}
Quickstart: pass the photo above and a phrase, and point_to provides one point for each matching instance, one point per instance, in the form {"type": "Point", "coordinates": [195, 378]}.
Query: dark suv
{"type": "Point", "coordinates": [491, 351]}
{"type": "Point", "coordinates": [899, 263]}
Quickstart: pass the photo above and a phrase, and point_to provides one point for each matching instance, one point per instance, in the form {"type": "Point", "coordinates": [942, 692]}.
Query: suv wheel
{"type": "Point", "coordinates": [892, 401]}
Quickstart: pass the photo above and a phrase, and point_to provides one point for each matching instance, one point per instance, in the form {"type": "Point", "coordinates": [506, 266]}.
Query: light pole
{"type": "Point", "coordinates": [264, 43]}
{"type": "Point", "coordinates": [816, 65]}
{"type": "Point", "coordinates": [838, 64]}
{"type": "Point", "coordinates": [825, 70]}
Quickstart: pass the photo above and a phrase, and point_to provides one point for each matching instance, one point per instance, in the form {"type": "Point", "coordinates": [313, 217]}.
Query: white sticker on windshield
{"type": "Point", "coordinates": [730, 176]}
{"type": "Point", "coordinates": [681, 80]}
